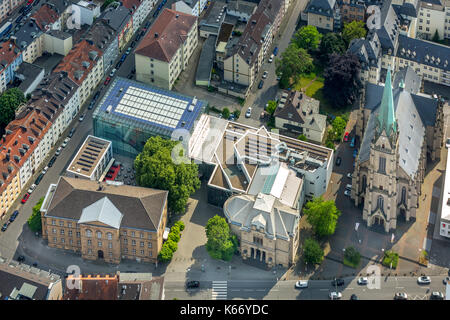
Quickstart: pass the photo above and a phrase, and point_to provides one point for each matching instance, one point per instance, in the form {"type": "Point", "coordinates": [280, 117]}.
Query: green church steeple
{"type": "Point", "coordinates": [386, 115]}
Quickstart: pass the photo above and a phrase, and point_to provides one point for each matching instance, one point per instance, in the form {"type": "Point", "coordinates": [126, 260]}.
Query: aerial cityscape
{"type": "Point", "coordinates": [224, 150]}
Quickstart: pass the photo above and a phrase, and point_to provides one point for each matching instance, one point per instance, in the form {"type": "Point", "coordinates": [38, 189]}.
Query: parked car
{"type": "Point", "coordinates": [147, 24]}
{"type": "Point", "coordinates": [58, 151]}
{"type": "Point", "coordinates": [72, 131]}
{"type": "Point", "coordinates": [275, 51]}
{"type": "Point", "coordinates": [446, 279]}
{"type": "Point", "coordinates": [5, 226]}
{"type": "Point", "coordinates": [133, 44]}
{"type": "Point", "coordinates": [118, 64]}
{"type": "Point", "coordinates": [355, 153]}
{"type": "Point", "coordinates": [401, 296]}
{"type": "Point", "coordinates": [271, 58]}
{"type": "Point", "coordinates": [52, 161]}
{"type": "Point", "coordinates": [437, 296]}
{"type": "Point", "coordinates": [249, 112]}
{"type": "Point", "coordinates": [20, 258]}
{"type": "Point", "coordinates": [346, 136]}
{"type": "Point", "coordinates": [82, 117]}
{"type": "Point", "coordinates": [338, 161]}
{"type": "Point", "coordinates": [124, 56]}
{"type": "Point", "coordinates": [301, 284]}
{"type": "Point", "coordinates": [64, 144]}
{"type": "Point", "coordinates": [264, 76]}
{"type": "Point", "coordinates": [354, 297]}
{"type": "Point", "coordinates": [130, 76]}
{"type": "Point", "coordinates": [363, 280]}
{"type": "Point", "coordinates": [45, 170]}
{"type": "Point", "coordinates": [349, 175]}
{"type": "Point", "coordinates": [33, 186]}
{"type": "Point", "coordinates": [352, 143]}
{"type": "Point", "coordinates": [348, 187]}
{"type": "Point", "coordinates": [424, 280]}
{"type": "Point", "coordinates": [95, 97]}
{"type": "Point", "coordinates": [447, 143]}
{"type": "Point", "coordinates": [14, 216]}
{"type": "Point", "coordinates": [260, 85]}
{"type": "Point", "coordinates": [337, 282]}
{"type": "Point", "coordinates": [347, 193]}
{"type": "Point", "coordinates": [38, 179]}
{"type": "Point", "coordinates": [25, 197]}
{"type": "Point", "coordinates": [128, 51]}
{"type": "Point", "coordinates": [91, 105]}
{"type": "Point", "coordinates": [192, 284]}
{"type": "Point", "coordinates": [108, 79]}
{"type": "Point", "coordinates": [35, 264]}
{"type": "Point", "coordinates": [335, 295]}
{"type": "Point", "coordinates": [113, 72]}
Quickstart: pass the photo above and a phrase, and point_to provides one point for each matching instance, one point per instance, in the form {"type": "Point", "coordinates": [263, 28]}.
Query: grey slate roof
{"type": "Point", "coordinates": [116, 18]}
{"type": "Point", "coordinates": [26, 34]}
{"type": "Point", "coordinates": [207, 58]}
{"type": "Point", "coordinates": [423, 52]}
{"type": "Point", "coordinates": [28, 73]}
{"type": "Point", "coordinates": [142, 208]}
{"type": "Point", "coordinates": [368, 50]}
{"type": "Point", "coordinates": [321, 7]}
{"type": "Point", "coordinates": [390, 23]}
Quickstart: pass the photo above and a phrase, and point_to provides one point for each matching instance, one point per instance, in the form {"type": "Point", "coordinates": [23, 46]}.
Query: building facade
{"type": "Point", "coordinates": [120, 19]}
{"type": "Point", "coordinates": [6, 6]}
{"type": "Point", "coordinates": [104, 222]}
{"type": "Point", "coordinates": [11, 58]}
{"type": "Point", "coordinates": [444, 222]}
{"type": "Point", "coordinates": [140, 10]}
{"type": "Point", "coordinates": [166, 49]}
{"type": "Point", "coordinates": [324, 15]}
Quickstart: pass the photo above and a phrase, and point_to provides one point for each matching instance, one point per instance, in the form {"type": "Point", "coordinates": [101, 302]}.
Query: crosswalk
{"type": "Point", "coordinates": [219, 290]}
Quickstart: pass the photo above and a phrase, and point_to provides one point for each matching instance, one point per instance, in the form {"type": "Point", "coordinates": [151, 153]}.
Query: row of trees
{"type": "Point", "coordinates": [171, 245]}
{"type": "Point", "coordinates": [34, 221]}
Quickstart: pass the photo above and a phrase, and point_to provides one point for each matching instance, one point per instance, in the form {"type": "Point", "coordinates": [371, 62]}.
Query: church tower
{"type": "Point", "coordinates": [380, 205]}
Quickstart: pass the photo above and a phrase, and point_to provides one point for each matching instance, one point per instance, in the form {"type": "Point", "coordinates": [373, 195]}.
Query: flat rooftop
{"type": "Point", "coordinates": [89, 156]}
{"type": "Point", "coordinates": [148, 105]}
{"type": "Point", "coordinates": [445, 209]}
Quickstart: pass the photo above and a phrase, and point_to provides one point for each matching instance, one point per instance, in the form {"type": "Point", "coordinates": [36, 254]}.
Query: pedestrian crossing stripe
{"type": "Point", "coordinates": [219, 290]}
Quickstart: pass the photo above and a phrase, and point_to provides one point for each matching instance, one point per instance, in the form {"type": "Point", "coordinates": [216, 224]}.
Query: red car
{"type": "Point", "coordinates": [25, 197]}
{"type": "Point", "coordinates": [346, 137]}
{"type": "Point", "coordinates": [108, 79]}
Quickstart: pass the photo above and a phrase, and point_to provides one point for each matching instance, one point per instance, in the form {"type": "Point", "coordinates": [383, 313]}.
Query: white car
{"type": "Point", "coordinates": [349, 175]}
{"type": "Point", "coordinates": [363, 280]}
{"type": "Point", "coordinates": [271, 58]}
{"type": "Point", "coordinates": [33, 186]}
{"type": "Point", "coordinates": [65, 142]}
{"type": "Point", "coordinates": [58, 152]}
{"type": "Point", "coordinates": [423, 280]}
{"type": "Point", "coordinates": [264, 76]}
{"type": "Point", "coordinates": [249, 112]}
{"type": "Point", "coordinates": [113, 72]}
{"type": "Point", "coordinates": [301, 284]}
{"type": "Point", "coordinates": [447, 143]}
{"type": "Point", "coordinates": [335, 295]}
{"type": "Point", "coordinates": [45, 170]}
{"type": "Point", "coordinates": [347, 193]}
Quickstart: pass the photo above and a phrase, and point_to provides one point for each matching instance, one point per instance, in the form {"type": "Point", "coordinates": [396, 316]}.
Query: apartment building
{"type": "Point", "coordinates": [243, 10]}
{"type": "Point", "coordinates": [84, 66]}
{"type": "Point", "coordinates": [87, 11]}
{"type": "Point", "coordinates": [6, 6]}
{"type": "Point", "coordinates": [298, 113]}
{"type": "Point", "coordinates": [324, 15]}
{"type": "Point", "coordinates": [353, 10]}
{"type": "Point", "coordinates": [193, 7]}
{"type": "Point", "coordinates": [56, 41]}
{"type": "Point", "coordinates": [244, 59]}
{"type": "Point", "coordinates": [120, 20]}
{"type": "Point", "coordinates": [166, 49]}
{"type": "Point", "coordinates": [140, 9]}
{"type": "Point", "coordinates": [20, 281]}
{"type": "Point", "coordinates": [104, 222]}
{"type": "Point", "coordinates": [10, 60]}
{"type": "Point", "coordinates": [433, 16]}
{"type": "Point", "coordinates": [104, 37]}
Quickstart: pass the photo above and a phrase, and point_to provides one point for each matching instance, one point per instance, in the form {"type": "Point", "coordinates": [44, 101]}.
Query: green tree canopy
{"type": "Point", "coordinates": [155, 168]}
{"type": "Point", "coordinates": [332, 43]}
{"type": "Point", "coordinates": [308, 38]}
{"type": "Point", "coordinates": [225, 113]}
{"type": "Point", "coordinates": [166, 253]}
{"type": "Point", "coordinates": [352, 255]}
{"type": "Point", "coordinates": [221, 244]}
{"type": "Point", "coordinates": [435, 36]}
{"type": "Point", "coordinates": [9, 101]}
{"type": "Point", "coordinates": [294, 62]}
{"type": "Point", "coordinates": [34, 221]}
{"type": "Point", "coordinates": [339, 125]}
{"type": "Point", "coordinates": [302, 137]}
{"type": "Point", "coordinates": [353, 30]}
{"type": "Point", "coordinates": [180, 225]}
{"type": "Point", "coordinates": [312, 252]}
{"type": "Point", "coordinates": [322, 215]}
{"type": "Point", "coordinates": [271, 107]}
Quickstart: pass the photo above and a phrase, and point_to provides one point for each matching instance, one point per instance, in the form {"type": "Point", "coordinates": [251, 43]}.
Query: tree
{"type": "Point", "coordinates": [172, 245]}
{"type": "Point", "coordinates": [271, 107]}
{"type": "Point", "coordinates": [294, 62]}
{"type": "Point", "coordinates": [302, 137]}
{"type": "Point", "coordinates": [9, 101]}
{"type": "Point", "coordinates": [352, 256]}
{"type": "Point", "coordinates": [353, 30]}
{"type": "Point", "coordinates": [322, 215]}
{"type": "Point", "coordinates": [34, 221]}
{"type": "Point", "coordinates": [180, 225]}
{"type": "Point", "coordinates": [220, 244]}
{"type": "Point", "coordinates": [225, 113]}
{"type": "Point", "coordinates": [329, 144]}
{"type": "Point", "coordinates": [308, 38]}
{"type": "Point", "coordinates": [342, 84]}
{"type": "Point", "coordinates": [435, 37]}
{"type": "Point", "coordinates": [339, 125]}
{"type": "Point", "coordinates": [312, 252]}
{"type": "Point", "coordinates": [162, 165]}
{"type": "Point", "coordinates": [165, 254]}
{"type": "Point", "coordinates": [236, 114]}
{"type": "Point", "coordinates": [331, 43]}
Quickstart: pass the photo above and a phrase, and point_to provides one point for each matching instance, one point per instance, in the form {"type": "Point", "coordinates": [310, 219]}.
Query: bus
{"type": "Point", "coordinates": [5, 29]}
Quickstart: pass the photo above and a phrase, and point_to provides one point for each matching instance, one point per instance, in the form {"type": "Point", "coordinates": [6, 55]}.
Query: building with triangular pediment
{"type": "Point", "coordinates": [104, 221]}
{"type": "Point", "coordinates": [400, 129]}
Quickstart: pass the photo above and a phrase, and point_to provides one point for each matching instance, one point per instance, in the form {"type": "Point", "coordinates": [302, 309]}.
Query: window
{"type": "Point", "coordinates": [364, 183]}
{"type": "Point", "coordinates": [70, 232]}
{"type": "Point", "coordinates": [149, 245]}
{"type": "Point", "coordinates": [110, 245]}
{"type": "Point", "coordinates": [149, 235]}
{"type": "Point", "coordinates": [54, 222]}
{"type": "Point", "coordinates": [54, 230]}
{"type": "Point", "coordinates": [142, 252]}
{"type": "Point", "coordinates": [125, 250]}
{"type": "Point", "coordinates": [88, 233]}
{"type": "Point", "coordinates": [142, 243]}
{"type": "Point", "coordinates": [133, 242]}
{"type": "Point", "coordinates": [54, 240]}
{"type": "Point", "coordinates": [125, 241]}
{"type": "Point", "coordinates": [99, 235]}
{"type": "Point", "coordinates": [134, 252]}
{"type": "Point", "coordinates": [78, 234]}
{"type": "Point", "coordinates": [142, 235]}
{"type": "Point", "coordinates": [89, 251]}
{"type": "Point", "coordinates": [89, 242]}
{"type": "Point", "coordinates": [61, 223]}
{"type": "Point", "coordinates": [78, 242]}
{"type": "Point", "coordinates": [403, 195]}
{"type": "Point", "coordinates": [70, 241]}
{"type": "Point", "coordinates": [62, 240]}
{"type": "Point", "coordinates": [380, 203]}
{"type": "Point", "coordinates": [110, 254]}
{"type": "Point", "coordinates": [109, 235]}
{"type": "Point", "coordinates": [99, 243]}
{"type": "Point", "coordinates": [150, 253]}
{"type": "Point", "coordinates": [69, 224]}
{"type": "Point", "coordinates": [124, 233]}
{"type": "Point", "coordinates": [382, 165]}
{"type": "Point", "coordinates": [61, 232]}
{"type": "Point", "coordinates": [132, 233]}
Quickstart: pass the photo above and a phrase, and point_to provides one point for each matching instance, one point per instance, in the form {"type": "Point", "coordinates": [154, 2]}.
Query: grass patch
{"type": "Point", "coordinates": [350, 264]}
{"type": "Point", "coordinates": [352, 257]}
{"type": "Point", "coordinates": [314, 87]}
{"type": "Point", "coordinates": [390, 257]}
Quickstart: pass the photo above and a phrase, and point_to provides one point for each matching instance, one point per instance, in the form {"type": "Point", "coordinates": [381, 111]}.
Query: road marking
{"type": "Point", "coordinates": [248, 290]}
{"type": "Point", "coordinates": [235, 289]}
{"type": "Point", "coordinates": [323, 289]}
{"type": "Point", "coordinates": [399, 287]}
{"type": "Point", "coordinates": [177, 290]}
{"type": "Point", "coordinates": [260, 290]}
{"type": "Point", "coordinates": [219, 290]}
{"type": "Point", "coordinates": [349, 288]}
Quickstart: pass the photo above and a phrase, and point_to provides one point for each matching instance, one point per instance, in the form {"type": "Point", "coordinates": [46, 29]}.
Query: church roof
{"type": "Point", "coordinates": [386, 116]}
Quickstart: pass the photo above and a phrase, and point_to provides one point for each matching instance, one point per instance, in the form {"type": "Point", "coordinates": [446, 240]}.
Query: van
{"type": "Point", "coordinates": [352, 143]}
{"type": "Point", "coordinates": [348, 187]}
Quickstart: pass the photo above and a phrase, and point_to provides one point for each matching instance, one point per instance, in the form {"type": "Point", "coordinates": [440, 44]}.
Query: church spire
{"type": "Point", "coordinates": [386, 116]}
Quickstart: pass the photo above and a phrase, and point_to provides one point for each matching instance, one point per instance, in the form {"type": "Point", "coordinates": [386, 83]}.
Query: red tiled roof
{"type": "Point", "coordinates": [45, 16]}
{"type": "Point", "coordinates": [73, 62]}
{"type": "Point", "coordinates": [172, 32]}
{"type": "Point", "coordinates": [7, 53]}
{"type": "Point", "coordinates": [93, 288]}
{"type": "Point", "coordinates": [129, 4]}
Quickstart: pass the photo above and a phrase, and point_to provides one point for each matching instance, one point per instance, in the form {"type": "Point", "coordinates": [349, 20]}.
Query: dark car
{"type": "Point", "coordinates": [109, 175]}
{"type": "Point", "coordinates": [21, 258]}
{"type": "Point", "coordinates": [337, 282]}
{"type": "Point", "coordinates": [338, 161]}
{"type": "Point", "coordinates": [147, 24]}
{"type": "Point", "coordinates": [72, 131]}
{"type": "Point", "coordinates": [118, 64]}
{"type": "Point", "coordinates": [91, 105]}
{"type": "Point", "coordinates": [354, 297]}
{"type": "Point", "coordinates": [5, 226]}
{"type": "Point", "coordinates": [437, 296]}
{"type": "Point", "coordinates": [19, 18]}
{"type": "Point", "coordinates": [52, 161]}
{"type": "Point", "coordinates": [192, 284]}
{"type": "Point", "coordinates": [96, 96]}
{"type": "Point", "coordinates": [14, 216]}
{"type": "Point", "coordinates": [35, 264]}
{"type": "Point", "coordinates": [260, 85]}
{"type": "Point", "coordinates": [130, 76]}
{"type": "Point", "coordinates": [133, 44]}
{"type": "Point", "coordinates": [38, 179]}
